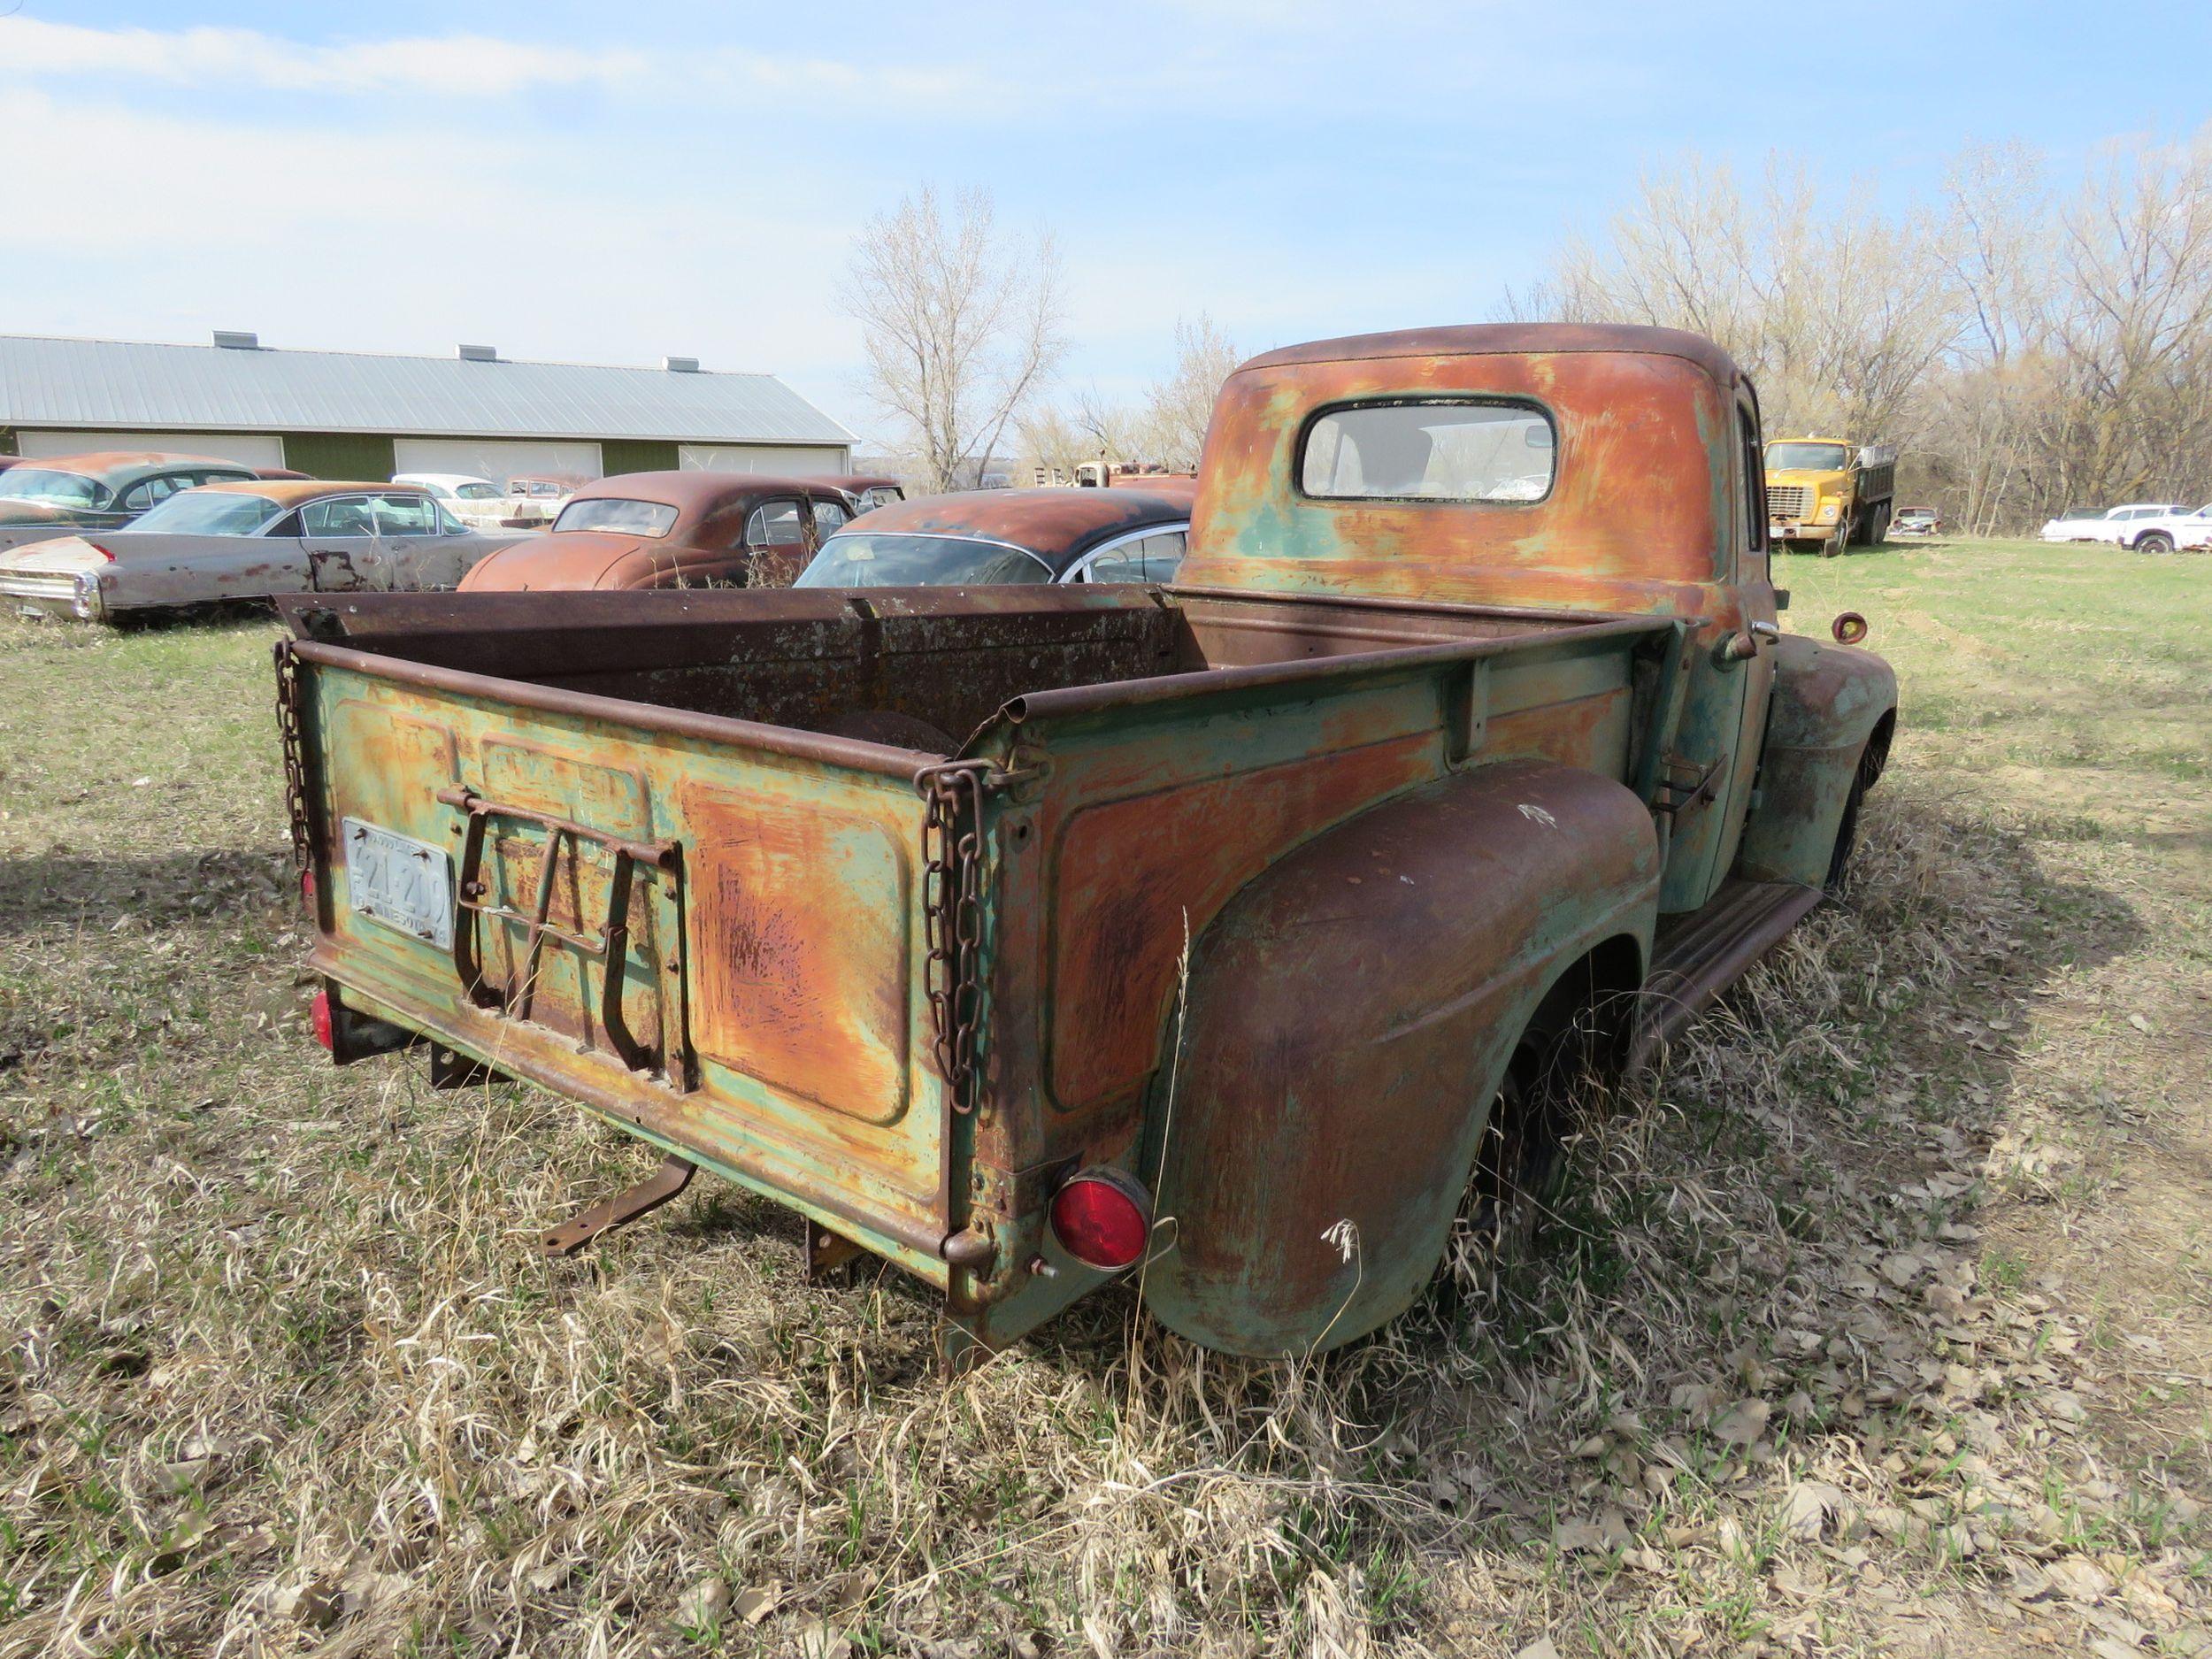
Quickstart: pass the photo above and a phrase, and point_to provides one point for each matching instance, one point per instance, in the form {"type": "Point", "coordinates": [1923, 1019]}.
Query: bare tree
{"type": "Point", "coordinates": [1179, 407]}
{"type": "Point", "coordinates": [2135, 330]}
{"type": "Point", "coordinates": [2028, 348]}
{"type": "Point", "coordinates": [1837, 311]}
{"type": "Point", "coordinates": [961, 325]}
{"type": "Point", "coordinates": [1063, 437]}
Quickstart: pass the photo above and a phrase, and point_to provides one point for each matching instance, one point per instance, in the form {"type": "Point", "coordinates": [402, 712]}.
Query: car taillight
{"type": "Point", "coordinates": [101, 551]}
{"type": "Point", "coordinates": [322, 1018]}
{"type": "Point", "coordinates": [1103, 1219]}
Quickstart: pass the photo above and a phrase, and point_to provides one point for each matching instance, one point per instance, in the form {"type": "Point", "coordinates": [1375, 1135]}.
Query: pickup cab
{"type": "Point", "coordinates": [1233, 927]}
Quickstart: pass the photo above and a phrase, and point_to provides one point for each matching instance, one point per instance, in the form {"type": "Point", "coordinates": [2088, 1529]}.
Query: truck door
{"type": "Point", "coordinates": [1717, 747]}
{"type": "Point", "coordinates": [1755, 589]}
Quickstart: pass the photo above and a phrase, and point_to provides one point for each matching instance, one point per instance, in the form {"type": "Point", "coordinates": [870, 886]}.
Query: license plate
{"type": "Point", "coordinates": [403, 883]}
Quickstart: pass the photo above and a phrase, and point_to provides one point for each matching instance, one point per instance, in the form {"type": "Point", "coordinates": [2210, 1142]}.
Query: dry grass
{"type": "Point", "coordinates": [1790, 1370]}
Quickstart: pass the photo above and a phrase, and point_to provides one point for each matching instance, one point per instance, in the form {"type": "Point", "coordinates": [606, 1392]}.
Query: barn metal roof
{"type": "Point", "coordinates": [47, 381]}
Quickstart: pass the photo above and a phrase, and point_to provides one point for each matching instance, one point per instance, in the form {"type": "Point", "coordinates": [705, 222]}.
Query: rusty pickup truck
{"type": "Point", "coordinates": [1018, 936]}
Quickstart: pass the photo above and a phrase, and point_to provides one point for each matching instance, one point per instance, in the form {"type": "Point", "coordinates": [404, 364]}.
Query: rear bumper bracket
{"type": "Point", "coordinates": [625, 1207]}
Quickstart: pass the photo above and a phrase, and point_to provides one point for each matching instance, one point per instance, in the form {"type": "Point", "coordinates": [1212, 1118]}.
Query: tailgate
{"type": "Point", "coordinates": [709, 931]}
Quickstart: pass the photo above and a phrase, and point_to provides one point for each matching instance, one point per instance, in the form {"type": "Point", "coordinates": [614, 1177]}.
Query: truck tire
{"type": "Point", "coordinates": [1836, 543]}
{"type": "Point", "coordinates": [2155, 542]}
{"type": "Point", "coordinates": [1870, 768]}
{"type": "Point", "coordinates": [1518, 1165]}
{"type": "Point", "coordinates": [1878, 526]}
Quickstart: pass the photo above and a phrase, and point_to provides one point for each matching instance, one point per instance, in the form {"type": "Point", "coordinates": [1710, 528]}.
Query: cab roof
{"type": "Point", "coordinates": [1463, 340]}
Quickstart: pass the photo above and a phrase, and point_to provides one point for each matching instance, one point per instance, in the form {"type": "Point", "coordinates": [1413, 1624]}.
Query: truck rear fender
{"type": "Point", "coordinates": [1352, 1012]}
{"type": "Point", "coordinates": [1832, 707]}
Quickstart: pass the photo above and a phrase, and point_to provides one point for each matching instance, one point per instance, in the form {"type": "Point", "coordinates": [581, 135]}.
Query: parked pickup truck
{"type": "Point", "coordinates": [1446, 776]}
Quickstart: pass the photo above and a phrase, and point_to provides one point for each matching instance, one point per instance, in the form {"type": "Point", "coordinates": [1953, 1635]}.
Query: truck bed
{"type": "Point", "coordinates": [942, 662]}
{"type": "Point", "coordinates": [697, 843]}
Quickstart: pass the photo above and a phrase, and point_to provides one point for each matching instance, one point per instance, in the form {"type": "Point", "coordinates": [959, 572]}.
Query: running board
{"type": "Point", "coordinates": [1706, 952]}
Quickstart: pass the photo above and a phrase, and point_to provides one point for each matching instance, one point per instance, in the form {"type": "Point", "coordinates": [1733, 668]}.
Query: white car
{"type": "Point", "coordinates": [2164, 532]}
{"type": "Point", "coordinates": [2089, 524]}
{"type": "Point", "coordinates": [473, 501]}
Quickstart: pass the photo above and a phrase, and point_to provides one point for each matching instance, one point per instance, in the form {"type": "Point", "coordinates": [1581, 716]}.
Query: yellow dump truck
{"type": "Point", "coordinates": [1829, 492]}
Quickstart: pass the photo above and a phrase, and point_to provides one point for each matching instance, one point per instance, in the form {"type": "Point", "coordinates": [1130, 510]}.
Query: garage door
{"type": "Point", "coordinates": [498, 459]}
{"type": "Point", "coordinates": [245, 448]}
{"type": "Point", "coordinates": [759, 457]}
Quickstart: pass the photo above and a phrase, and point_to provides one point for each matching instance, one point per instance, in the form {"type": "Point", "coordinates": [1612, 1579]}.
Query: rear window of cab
{"type": "Point", "coordinates": [1441, 449]}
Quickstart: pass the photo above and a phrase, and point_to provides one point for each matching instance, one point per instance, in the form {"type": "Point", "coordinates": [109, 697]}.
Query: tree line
{"type": "Point", "coordinates": [2027, 342]}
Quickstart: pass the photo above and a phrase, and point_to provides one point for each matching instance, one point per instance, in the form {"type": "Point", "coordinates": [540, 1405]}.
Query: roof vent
{"type": "Point", "coordinates": [681, 365]}
{"type": "Point", "coordinates": [478, 354]}
{"type": "Point", "coordinates": [237, 340]}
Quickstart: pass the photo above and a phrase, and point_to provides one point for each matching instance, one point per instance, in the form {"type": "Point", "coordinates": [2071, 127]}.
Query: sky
{"type": "Point", "coordinates": [603, 183]}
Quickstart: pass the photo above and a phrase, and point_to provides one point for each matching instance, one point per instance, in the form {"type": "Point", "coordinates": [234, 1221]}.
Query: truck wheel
{"type": "Point", "coordinates": [1517, 1166]}
{"type": "Point", "coordinates": [1836, 543]}
{"type": "Point", "coordinates": [2155, 542]}
{"type": "Point", "coordinates": [1839, 880]}
{"type": "Point", "coordinates": [1878, 526]}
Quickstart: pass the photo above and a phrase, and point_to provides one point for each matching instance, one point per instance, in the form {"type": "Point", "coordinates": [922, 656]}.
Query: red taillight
{"type": "Point", "coordinates": [1103, 1219]}
{"type": "Point", "coordinates": [307, 889]}
{"type": "Point", "coordinates": [101, 551]}
{"type": "Point", "coordinates": [322, 1018]}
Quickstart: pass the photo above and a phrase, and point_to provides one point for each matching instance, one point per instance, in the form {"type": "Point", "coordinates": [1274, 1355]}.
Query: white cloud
{"type": "Point", "coordinates": [472, 65]}
{"type": "Point", "coordinates": [206, 58]}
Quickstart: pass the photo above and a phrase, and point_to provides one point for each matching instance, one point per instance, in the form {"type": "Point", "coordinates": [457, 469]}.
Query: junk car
{"type": "Point", "coordinates": [51, 495]}
{"type": "Point", "coordinates": [985, 537]}
{"type": "Point", "coordinates": [686, 529]}
{"type": "Point", "coordinates": [248, 540]}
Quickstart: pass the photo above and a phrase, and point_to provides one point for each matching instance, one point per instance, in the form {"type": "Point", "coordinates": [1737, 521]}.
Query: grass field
{"type": "Point", "coordinates": [1881, 1324]}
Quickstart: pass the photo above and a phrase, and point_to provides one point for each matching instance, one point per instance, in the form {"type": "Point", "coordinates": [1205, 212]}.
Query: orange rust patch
{"type": "Point", "coordinates": [1129, 870]}
{"type": "Point", "coordinates": [801, 948]}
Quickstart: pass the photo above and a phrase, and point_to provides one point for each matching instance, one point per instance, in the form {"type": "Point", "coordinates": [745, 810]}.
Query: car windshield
{"type": "Point", "coordinates": [624, 517]}
{"type": "Point", "coordinates": [39, 483]}
{"type": "Point", "coordinates": [919, 561]}
{"type": "Point", "coordinates": [209, 513]}
{"type": "Point", "coordinates": [1808, 457]}
{"type": "Point", "coordinates": [478, 492]}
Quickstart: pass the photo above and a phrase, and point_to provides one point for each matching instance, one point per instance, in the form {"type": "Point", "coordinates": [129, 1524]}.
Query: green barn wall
{"type": "Point", "coordinates": [366, 456]}
{"type": "Point", "coordinates": [636, 455]}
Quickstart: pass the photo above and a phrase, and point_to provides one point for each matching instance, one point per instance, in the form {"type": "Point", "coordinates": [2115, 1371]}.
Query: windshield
{"type": "Point", "coordinates": [1808, 457]}
{"type": "Point", "coordinates": [38, 483]}
{"type": "Point", "coordinates": [209, 513]}
{"type": "Point", "coordinates": [919, 561]}
{"type": "Point", "coordinates": [478, 492]}
{"type": "Point", "coordinates": [625, 517]}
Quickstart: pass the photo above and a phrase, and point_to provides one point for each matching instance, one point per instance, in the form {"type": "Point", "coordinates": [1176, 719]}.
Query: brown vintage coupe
{"type": "Point", "coordinates": [689, 529]}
